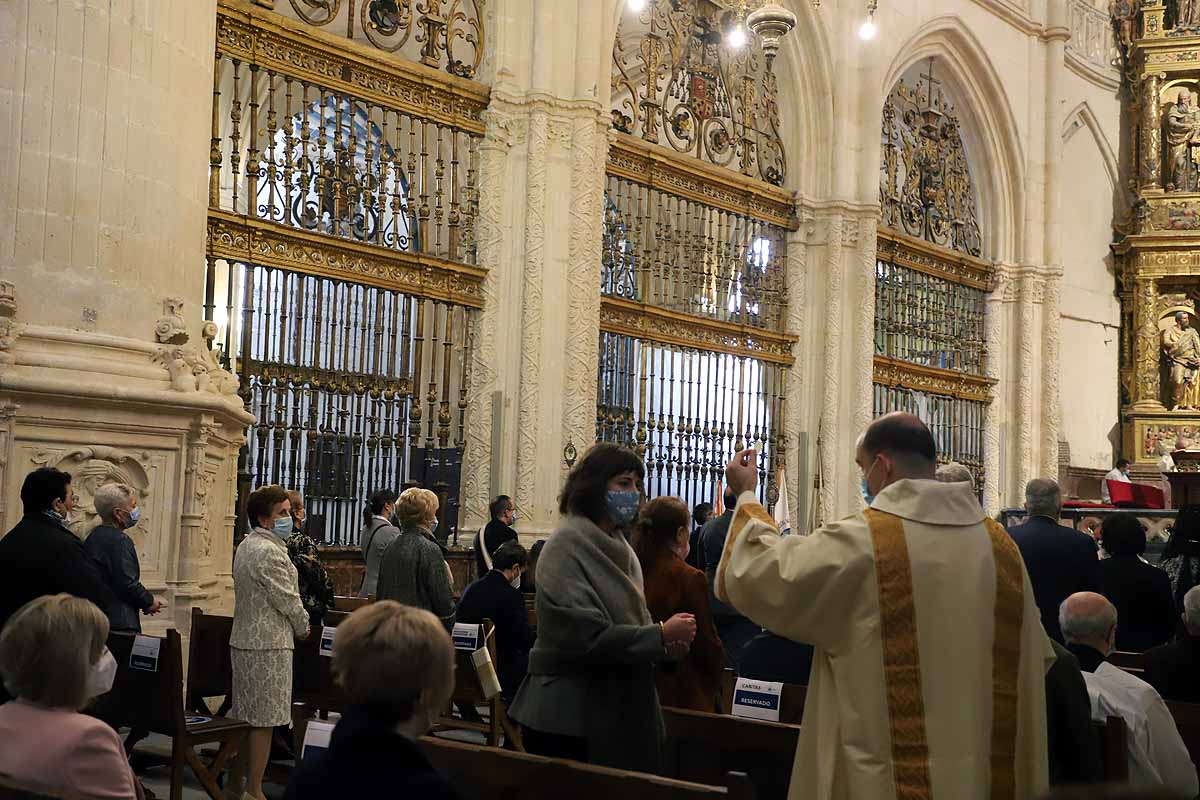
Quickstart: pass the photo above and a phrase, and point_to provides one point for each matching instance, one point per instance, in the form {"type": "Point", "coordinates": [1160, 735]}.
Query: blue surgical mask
{"type": "Point", "coordinates": [132, 519]}
{"type": "Point", "coordinates": [282, 527]}
{"type": "Point", "coordinates": [623, 506]}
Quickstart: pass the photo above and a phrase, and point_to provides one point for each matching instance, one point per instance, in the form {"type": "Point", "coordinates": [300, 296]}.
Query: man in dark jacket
{"type": "Point", "coordinates": [1060, 560]}
{"type": "Point", "coordinates": [770, 657]}
{"type": "Point", "coordinates": [41, 555]}
{"type": "Point", "coordinates": [735, 630]}
{"type": "Point", "coordinates": [701, 514]}
{"type": "Point", "coordinates": [116, 556]}
{"type": "Point", "coordinates": [495, 597]}
{"type": "Point", "coordinates": [1174, 669]}
{"type": "Point", "coordinates": [498, 531]}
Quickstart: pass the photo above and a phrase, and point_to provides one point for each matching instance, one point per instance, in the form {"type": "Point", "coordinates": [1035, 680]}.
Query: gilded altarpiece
{"type": "Point", "coordinates": [1159, 252]}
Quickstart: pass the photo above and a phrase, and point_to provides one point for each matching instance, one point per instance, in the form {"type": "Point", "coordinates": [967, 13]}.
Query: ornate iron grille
{"type": "Point", "coordinates": [446, 34]}
{"type": "Point", "coordinates": [956, 424]}
{"type": "Point", "coordinates": [354, 387]}
{"type": "Point", "coordinates": [679, 254]}
{"type": "Point", "coordinates": [687, 411]}
{"type": "Point", "coordinates": [925, 185]}
{"type": "Point", "coordinates": [674, 80]}
{"type": "Point", "coordinates": [306, 156]}
{"type": "Point", "coordinates": [929, 320]}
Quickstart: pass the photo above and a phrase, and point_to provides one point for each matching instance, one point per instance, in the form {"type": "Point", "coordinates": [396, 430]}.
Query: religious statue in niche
{"type": "Point", "coordinates": [1182, 123]}
{"type": "Point", "coordinates": [1183, 17]}
{"type": "Point", "coordinates": [1124, 16]}
{"type": "Point", "coordinates": [1181, 346]}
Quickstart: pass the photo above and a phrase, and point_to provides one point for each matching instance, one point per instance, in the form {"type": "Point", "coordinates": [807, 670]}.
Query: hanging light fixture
{"type": "Point", "coordinates": [867, 31]}
{"type": "Point", "coordinates": [770, 24]}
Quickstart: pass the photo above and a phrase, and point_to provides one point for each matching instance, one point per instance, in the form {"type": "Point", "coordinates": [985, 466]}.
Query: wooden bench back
{"type": "Point", "coordinates": [791, 699]}
{"type": "Point", "coordinates": [1127, 660]}
{"type": "Point", "coordinates": [350, 604]}
{"type": "Point", "coordinates": [1114, 753]}
{"type": "Point", "coordinates": [488, 773]}
{"type": "Point", "coordinates": [1187, 720]}
{"type": "Point", "coordinates": [210, 667]}
{"type": "Point", "coordinates": [149, 700]}
{"type": "Point", "coordinates": [312, 673]}
{"type": "Point", "coordinates": [467, 688]}
{"type": "Point", "coordinates": [704, 747]}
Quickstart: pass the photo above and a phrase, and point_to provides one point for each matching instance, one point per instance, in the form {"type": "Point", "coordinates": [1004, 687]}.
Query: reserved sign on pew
{"type": "Point", "coordinates": [327, 641]}
{"type": "Point", "coordinates": [466, 636]}
{"type": "Point", "coordinates": [316, 738]}
{"type": "Point", "coordinates": [757, 699]}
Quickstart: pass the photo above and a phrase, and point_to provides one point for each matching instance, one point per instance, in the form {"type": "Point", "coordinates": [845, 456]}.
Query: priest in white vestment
{"type": "Point", "coordinates": [929, 674]}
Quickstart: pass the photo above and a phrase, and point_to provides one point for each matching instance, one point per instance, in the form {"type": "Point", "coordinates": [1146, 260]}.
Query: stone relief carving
{"type": "Point", "coordinates": [94, 466]}
{"type": "Point", "coordinates": [8, 325]}
{"type": "Point", "coordinates": [171, 327]}
{"type": "Point", "coordinates": [196, 369]}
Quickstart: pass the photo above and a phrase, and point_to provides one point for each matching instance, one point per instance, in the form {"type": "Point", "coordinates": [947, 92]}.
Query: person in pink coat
{"type": "Point", "coordinates": [53, 659]}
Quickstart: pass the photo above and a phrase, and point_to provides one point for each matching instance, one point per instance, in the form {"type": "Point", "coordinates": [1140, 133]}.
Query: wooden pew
{"type": "Point", "coordinates": [1133, 662]}
{"type": "Point", "coordinates": [1187, 719]}
{"type": "Point", "coordinates": [704, 747]}
{"type": "Point", "coordinates": [489, 774]}
{"type": "Point", "coordinates": [791, 699]}
{"type": "Point", "coordinates": [314, 691]}
{"type": "Point", "coordinates": [210, 666]}
{"type": "Point", "coordinates": [469, 691]}
{"type": "Point", "coordinates": [153, 701]}
{"type": "Point", "coordinates": [1114, 752]}
{"type": "Point", "coordinates": [349, 604]}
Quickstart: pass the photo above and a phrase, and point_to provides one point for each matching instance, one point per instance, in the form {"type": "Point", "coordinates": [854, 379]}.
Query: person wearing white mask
{"type": "Point", "coordinates": [268, 615]}
{"type": "Point", "coordinates": [395, 667]}
{"type": "Point", "coordinates": [110, 546]}
{"type": "Point", "coordinates": [413, 570]}
{"type": "Point", "coordinates": [54, 661]}
{"type": "Point", "coordinates": [496, 596]}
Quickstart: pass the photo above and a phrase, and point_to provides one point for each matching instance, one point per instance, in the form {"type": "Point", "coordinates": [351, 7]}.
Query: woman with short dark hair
{"type": "Point", "coordinates": [590, 692]}
{"type": "Point", "coordinates": [662, 542]}
{"type": "Point", "coordinates": [1141, 592]}
{"type": "Point", "coordinates": [268, 615]}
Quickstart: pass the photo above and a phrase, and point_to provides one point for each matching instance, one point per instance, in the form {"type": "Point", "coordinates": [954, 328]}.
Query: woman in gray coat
{"type": "Point", "coordinates": [413, 571]}
{"type": "Point", "coordinates": [590, 693]}
{"type": "Point", "coordinates": [377, 533]}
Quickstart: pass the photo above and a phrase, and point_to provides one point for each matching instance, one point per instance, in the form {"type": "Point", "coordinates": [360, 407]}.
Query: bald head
{"type": "Point", "coordinates": [1089, 619]}
{"type": "Point", "coordinates": [906, 440]}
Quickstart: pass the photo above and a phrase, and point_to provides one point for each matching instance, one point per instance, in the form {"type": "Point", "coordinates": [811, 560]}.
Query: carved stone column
{"type": "Point", "coordinates": [1147, 393]}
{"type": "Point", "coordinates": [1051, 326]}
{"type": "Point", "coordinates": [1151, 134]}
{"type": "Point", "coordinates": [997, 485]}
{"type": "Point", "coordinates": [105, 369]}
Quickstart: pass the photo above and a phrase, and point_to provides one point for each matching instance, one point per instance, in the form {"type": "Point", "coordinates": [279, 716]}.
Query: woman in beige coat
{"type": "Point", "coordinates": [267, 617]}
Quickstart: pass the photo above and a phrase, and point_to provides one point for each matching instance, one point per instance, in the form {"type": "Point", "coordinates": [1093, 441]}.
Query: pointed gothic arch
{"type": "Point", "coordinates": [989, 127]}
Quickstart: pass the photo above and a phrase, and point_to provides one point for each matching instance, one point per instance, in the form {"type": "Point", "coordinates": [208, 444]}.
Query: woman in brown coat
{"type": "Point", "coordinates": [672, 587]}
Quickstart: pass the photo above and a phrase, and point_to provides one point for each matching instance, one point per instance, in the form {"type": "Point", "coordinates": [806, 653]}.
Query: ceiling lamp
{"type": "Point", "coordinates": [770, 24]}
{"type": "Point", "coordinates": [867, 31]}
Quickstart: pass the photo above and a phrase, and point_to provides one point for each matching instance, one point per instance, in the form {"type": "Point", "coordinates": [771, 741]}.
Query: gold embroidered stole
{"type": "Point", "coordinates": [902, 658]}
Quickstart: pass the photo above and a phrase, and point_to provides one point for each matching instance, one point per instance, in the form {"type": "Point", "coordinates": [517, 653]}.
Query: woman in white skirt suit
{"type": "Point", "coordinates": [267, 617]}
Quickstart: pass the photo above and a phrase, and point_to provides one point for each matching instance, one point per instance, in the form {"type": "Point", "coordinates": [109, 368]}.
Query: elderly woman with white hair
{"type": "Point", "coordinates": [114, 552]}
{"type": "Point", "coordinates": [54, 660]}
{"type": "Point", "coordinates": [395, 667]}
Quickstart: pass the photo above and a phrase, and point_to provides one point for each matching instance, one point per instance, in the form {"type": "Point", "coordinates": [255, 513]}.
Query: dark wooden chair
{"type": "Point", "coordinates": [705, 747]}
{"type": "Point", "coordinates": [1114, 752]}
{"type": "Point", "coordinates": [210, 666]}
{"type": "Point", "coordinates": [491, 774]}
{"type": "Point", "coordinates": [153, 701]}
{"type": "Point", "coordinates": [1187, 720]}
{"type": "Point", "coordinates": [468, 691]}
{"type": "Point", "coordinates": [1128, 660]}
{"type": "Point", "coordinates": [791, 698]}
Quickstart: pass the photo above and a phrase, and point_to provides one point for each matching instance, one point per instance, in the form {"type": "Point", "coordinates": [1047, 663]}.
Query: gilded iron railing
{"type": "Point", "coordinates": [692, 354]}
{"type": "Point", "coordinates": [957, 423]}
{"type": "Point", "coordinates": [687, 411]}
{"type": "Point", "coordinates": [340, 262]}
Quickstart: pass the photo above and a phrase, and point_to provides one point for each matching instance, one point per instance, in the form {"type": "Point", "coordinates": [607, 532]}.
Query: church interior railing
{"type": "Point", "coordinates": [340, 260]}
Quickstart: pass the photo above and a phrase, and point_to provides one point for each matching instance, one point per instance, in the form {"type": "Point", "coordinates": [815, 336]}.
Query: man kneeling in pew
{"type": "Point", "coordinates": [928, 679]}
{"type": "Point", "coordinates": [395, 666]}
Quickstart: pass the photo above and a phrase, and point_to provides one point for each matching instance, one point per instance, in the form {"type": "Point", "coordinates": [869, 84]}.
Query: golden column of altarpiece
{"type": "Point", "coordinates": [1158, 252]}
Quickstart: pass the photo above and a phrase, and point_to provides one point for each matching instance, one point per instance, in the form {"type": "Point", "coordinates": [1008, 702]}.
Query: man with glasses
{"type": "Point", "coordinates": [42, 555]}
